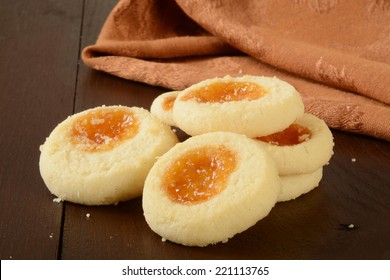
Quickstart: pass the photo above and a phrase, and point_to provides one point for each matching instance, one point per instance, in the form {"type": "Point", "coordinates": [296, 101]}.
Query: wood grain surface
{"type": "Point", "coordinates": [43, 81]}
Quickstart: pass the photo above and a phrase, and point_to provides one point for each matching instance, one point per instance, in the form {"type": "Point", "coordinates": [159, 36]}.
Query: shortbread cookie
{"type": "Point", "coordinates": [162, 107]}
{"type": "Point", "coordinates": [103, 155]}
{"type": "Point", "coordinates": [294, 186]}
{"type": "Point", "coordinates": [209, 188]}
{"type": "Point", "coordinates": [249, 105]}
{"type": "Point", "coordinates": [303, 147]}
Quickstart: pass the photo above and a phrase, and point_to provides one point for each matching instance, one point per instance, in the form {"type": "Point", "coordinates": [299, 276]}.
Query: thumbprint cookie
{"type": "Point", "coordinates": [209, 188]}
{"type": "Point", "coordinates": [303, 147]}
{"type": "Point", "coordinates": [103, 155]}
{"type": "Point", "coordinates": [162, 107]}
{"type": "Point", "coordinates": [249, 105]}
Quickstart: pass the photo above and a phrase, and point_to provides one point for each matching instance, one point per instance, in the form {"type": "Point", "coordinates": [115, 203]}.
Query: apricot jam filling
{"type": "Point", "coordinates": [225, 92]}
{"type": "Point", "coordinates": [199, 174]}
{"type": "Point", "coordinates": [293, 135]}
{"type": "Point", "coordinates": [167, 103]}
{"type": "Point", "coordinates": [103, 129]}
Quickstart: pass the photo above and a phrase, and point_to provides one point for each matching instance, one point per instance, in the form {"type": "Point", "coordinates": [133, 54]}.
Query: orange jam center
{"type": "Point", "coordinates": [103, 129]}
{"type": "Point", "coordinates": [292, 135]}
{"type": "Point", "coordinates": [168, 102]}
{"type": "Point", "coordinates": [226, 91]}
{"type": "Point", "coordinates": [199, 174]}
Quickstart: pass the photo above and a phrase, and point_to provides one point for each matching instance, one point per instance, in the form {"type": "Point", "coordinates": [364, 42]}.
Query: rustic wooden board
{"type": "Point", "coordinates": [39, 42]}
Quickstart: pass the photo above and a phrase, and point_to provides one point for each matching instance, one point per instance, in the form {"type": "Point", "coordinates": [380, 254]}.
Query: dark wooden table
{"type": "Point", "coordinates": [43, 81]}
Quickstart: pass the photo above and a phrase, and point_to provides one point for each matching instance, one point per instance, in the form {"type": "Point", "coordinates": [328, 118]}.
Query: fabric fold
{"type": "Point", "coordinates": [321, 62]}
{"type": "Point", "coordinates": [161, 48]}
{"type": "Point", "coordinates": [336, 53]}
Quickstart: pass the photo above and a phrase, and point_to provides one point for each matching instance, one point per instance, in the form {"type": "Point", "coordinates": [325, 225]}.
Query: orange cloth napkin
{"type": "Point", "coordinates": [336, 53]}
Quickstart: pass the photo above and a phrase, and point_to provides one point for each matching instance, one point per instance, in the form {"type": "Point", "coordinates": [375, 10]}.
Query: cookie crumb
{"type": "Point", "coordinates": [51, 235]}
{"type": "Point", "coordinates": [353, 159]}
{"type": "Point", "coordinates": [57, 199]}
{"type": "Point", "coordinates": [347, 227]}
{"type": "Point", "coordinates": [87, 215]}
{"type": "Point", "coordinates": [163, 239]}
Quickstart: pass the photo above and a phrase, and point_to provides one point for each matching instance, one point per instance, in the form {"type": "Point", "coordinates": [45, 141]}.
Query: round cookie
{"type": "Point", "coordinates": [294, 186]}
{"type": "Point", "coordinates": [162, 107]}
{"type": "Point", "coordinates": [303, 147]}
{"type": "Point", "coordinates": [209, 188]}
{"type": "Point", "coordinates": [249, 105]}
{"type": "Point", "coordinates": [103, 155]}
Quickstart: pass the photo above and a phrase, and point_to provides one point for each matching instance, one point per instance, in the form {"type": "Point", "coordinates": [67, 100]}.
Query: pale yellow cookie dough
{"type": "Point", "coordinates": [249, 105]}
{"type": "Point", "coordinates": [103, 155]}
{"type": "Point", "coordinates": [186, 203]}
{"type": "Point", "coordinates": [294, 186]}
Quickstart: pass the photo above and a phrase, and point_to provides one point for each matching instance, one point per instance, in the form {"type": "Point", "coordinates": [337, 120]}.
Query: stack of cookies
{"type": "Point", "coordinates": [251, 145]}
{"type": "Point", "coordinates": [259, 123]}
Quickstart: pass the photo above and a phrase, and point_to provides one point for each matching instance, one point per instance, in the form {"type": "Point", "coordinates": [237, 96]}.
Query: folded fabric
{"type": "Point", "coordinates": [335, 53]}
